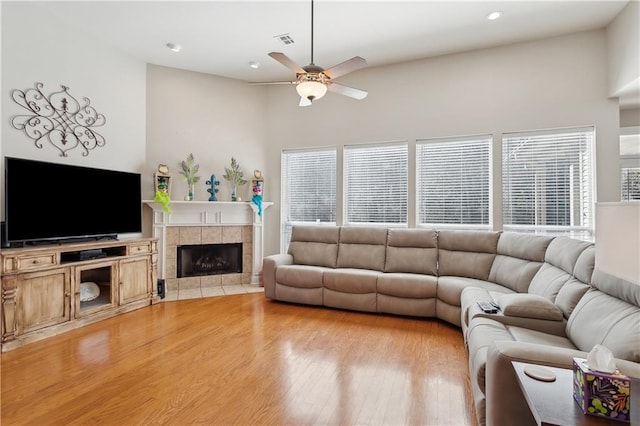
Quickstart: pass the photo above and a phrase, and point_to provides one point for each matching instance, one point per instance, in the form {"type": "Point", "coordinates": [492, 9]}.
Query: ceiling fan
{"type": "Point", "coordinates": [312, 81]}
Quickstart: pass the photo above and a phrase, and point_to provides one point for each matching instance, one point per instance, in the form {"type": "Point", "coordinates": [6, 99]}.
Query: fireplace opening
{"type": "Point", "coordinates": [209, 259]}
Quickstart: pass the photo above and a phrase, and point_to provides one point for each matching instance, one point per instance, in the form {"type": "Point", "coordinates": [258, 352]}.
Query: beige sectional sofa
{"type": "Point", "coordinates": [553, 305]}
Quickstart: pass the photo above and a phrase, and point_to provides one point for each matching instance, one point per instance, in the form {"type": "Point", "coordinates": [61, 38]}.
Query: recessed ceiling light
{"type": "Point", "coordinates": [494, 15]}
{"type": "Point", "coordinates": [255, 65]}
{"type": "Point", "coordinates": [174, 47]}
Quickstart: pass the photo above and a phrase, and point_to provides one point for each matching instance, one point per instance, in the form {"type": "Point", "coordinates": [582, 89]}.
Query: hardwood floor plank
{"type": "Point", "coordinates": [241, 359]}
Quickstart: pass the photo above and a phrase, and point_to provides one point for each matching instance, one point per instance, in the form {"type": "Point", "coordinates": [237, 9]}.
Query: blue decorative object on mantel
{"type": "Point", "coordinates": [256, 184]}
{"type": "Point", "coordinates": [213, 190]}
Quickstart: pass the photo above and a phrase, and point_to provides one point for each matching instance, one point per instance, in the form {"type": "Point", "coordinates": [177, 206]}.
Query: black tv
{"type": "Point", "coordinates": [58, 203]}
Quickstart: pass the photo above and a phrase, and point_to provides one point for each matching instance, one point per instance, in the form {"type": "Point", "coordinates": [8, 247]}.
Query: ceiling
{"type": "Point", "coordinates": [223, 37]}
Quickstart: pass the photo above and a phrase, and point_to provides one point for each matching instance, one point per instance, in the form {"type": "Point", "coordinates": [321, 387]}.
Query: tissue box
{"type": "Point", "coordinates": [601, 394]}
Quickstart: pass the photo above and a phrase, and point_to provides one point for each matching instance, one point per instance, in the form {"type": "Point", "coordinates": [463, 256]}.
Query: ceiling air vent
{"type": "Point", "coordinates": [285, 38]}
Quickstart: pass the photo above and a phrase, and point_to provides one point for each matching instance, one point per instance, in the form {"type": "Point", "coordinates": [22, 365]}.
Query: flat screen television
{"type": "Point", "coordinates": [51, 202]}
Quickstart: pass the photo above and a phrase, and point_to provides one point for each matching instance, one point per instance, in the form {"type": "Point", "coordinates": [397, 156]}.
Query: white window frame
{"type": "Point", "coordinates": [457, 145]}
{"type": "Point", "coordinates": [582, 207]}
{"type": "Point", "coordinates": [325, 184]}
{"type": "Point", "coordinates": [349, 150]}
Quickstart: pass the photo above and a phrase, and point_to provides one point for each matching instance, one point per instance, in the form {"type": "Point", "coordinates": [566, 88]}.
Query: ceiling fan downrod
{"type": "Point", "coordinates": [312, 33]}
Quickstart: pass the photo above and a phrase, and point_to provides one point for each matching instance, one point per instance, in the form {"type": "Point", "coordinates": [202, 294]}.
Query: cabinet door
{"type": "Point", "coordinates": [135, 281]}
{"type": "Point", "coordinates": [42, 299]}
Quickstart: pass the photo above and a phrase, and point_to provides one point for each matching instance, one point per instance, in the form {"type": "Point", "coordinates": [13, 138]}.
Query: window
{"type": "Point", "coordinates": [547, 182]}
{"type": "Point", "coordinates": [630, 163]}
{"type": "Point", "coordinates": [630, 183]}
{"type": "Point", "coordinates": [308, 189]}
{"type": "Point", "coordinates": [375, 184]}
{"type": "Point", "coordinates": [453, 182]}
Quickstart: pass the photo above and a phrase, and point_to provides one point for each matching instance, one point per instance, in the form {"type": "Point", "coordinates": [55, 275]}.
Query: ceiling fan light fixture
{"type": "Point", "coordinates": [311, 90]}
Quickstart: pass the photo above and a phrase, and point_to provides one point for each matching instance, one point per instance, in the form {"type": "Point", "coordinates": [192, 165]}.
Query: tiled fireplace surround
{"type": "Point", "coordinates": [194, 222]}
{"type": "Point", "coordinates": [188, 235]}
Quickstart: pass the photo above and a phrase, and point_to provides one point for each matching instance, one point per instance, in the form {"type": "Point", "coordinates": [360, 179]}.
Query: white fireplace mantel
{"type": "Point", "coordinates": [210, 213]}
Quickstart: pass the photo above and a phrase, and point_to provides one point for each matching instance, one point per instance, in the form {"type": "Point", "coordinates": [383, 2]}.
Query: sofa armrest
{"type": "Point", "coordinates": [269, 266]}
{"type": "Point", "coordinates": [505, 403]}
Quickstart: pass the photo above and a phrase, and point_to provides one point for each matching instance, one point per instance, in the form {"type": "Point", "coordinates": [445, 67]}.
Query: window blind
{"type": "Point", "coordinates": [308, 189]}
{"type": "Point", "coordinates": [547, 181]}
{"type": "Point", "coordinates": [375, 184]}
{"type": "Point", "coordinates": [453, 182]}
{"type": "Point", "coordinates": [630, 183]}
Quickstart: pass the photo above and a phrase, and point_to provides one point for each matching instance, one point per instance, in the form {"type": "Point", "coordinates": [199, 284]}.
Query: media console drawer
{"type": "Point", "coordinates": [26, 263]}
{"type": "Point", "coordinates": [142, 248]}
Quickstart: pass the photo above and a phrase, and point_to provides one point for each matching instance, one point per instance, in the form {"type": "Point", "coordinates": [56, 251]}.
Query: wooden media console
{"type": "Point", "coordinates": [41, 286]}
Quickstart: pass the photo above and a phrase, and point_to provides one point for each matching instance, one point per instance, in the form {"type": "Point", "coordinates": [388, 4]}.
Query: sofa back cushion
{"type": "Point", "coordinates": [412, 250]}
{"type": "Point", "coordinates": [466, 253]}
{"type": "Point", "coordinates": [519, 258]}
{"type": "Point", "coordinates": [608, 314]}
{"type": "Point", "coordinates": [315, 245]}
{"type": "Point", "coordinates": [560, 261]}
{"type": "Point", "coordinates": [362, 248]}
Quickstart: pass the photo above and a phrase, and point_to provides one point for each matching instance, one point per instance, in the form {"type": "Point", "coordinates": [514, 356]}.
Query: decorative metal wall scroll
{"type": "Point", "coordinates": [58, 119]}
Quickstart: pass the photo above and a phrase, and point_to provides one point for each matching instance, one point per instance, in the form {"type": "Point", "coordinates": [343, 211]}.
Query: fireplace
{"type": "Point", "coordinates": [206, 222]}
{"type": "Point", "coordinates": [208, 259]}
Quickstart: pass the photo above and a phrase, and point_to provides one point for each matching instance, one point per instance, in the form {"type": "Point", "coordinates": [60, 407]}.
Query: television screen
{"type": "Point", "coordinates": [50, 201]}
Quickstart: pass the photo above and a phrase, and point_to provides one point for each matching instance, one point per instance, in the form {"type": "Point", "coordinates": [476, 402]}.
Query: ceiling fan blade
{"type": "Point", "coordinates": [304, 101]}
{"type": "Point", "coordinates": [260, 83]}
{"type": "Point", "coordinates": [346, 67]}
{"type": "Point", "coordinates": [346, 90]}
{"type": "Point", "coordinates": [287, 62]}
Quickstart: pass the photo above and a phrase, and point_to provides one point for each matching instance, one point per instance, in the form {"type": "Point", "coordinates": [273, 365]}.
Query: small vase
{"type": "Point", "coordinates": [191, 194]}
{"type": "Point", "coordinates": [233, 193]}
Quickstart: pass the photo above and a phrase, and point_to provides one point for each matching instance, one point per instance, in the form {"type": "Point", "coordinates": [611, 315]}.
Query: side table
{"type": "Point", "coordinates": [552, 403]}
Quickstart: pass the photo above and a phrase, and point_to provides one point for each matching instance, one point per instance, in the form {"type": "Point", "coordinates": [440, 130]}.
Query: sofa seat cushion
{"type": "Point", "coordinates": [308, 296]}
{"type": "Point", "coordinates": [485, 331]}
{"type": "Point", "coordinates": [450, 288]}
{"type": "Point", "coordinates": [350, 280]}
{"type": "Point", "coordinates": [303, 276]}
{"type": "Point", "coordinates": [413, 286]}
{"type": "Point", "coordinates": [522, 334]}
{"type": "Point", "coordinates": [529, 306]}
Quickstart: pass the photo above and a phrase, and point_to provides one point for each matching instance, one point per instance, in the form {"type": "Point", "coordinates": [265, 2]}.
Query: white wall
{"type": "Point", "coordinates": [624, 50]}
{"type": "Point", "coordinates": [212, 117]}
{"type": "Point", "coordinates": [38, 48]}
{"type": "Point", "coordinates": [552, 83]}
{"type": "Point", "coordinates": [617, 241]}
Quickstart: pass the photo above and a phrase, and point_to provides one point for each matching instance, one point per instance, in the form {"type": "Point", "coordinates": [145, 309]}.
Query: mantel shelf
{"type": "Point", "coordinates": [198, 204]}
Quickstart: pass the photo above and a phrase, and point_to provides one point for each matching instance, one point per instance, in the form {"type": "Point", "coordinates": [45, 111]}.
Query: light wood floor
{"type": "Point", "coordinates": [242, 359]}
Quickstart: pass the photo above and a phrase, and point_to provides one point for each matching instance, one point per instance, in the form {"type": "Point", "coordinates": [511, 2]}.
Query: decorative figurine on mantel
{"type": "Point", "coordinates": [162, 181]}
{"type": "Point", "coordinates": [189, 173]}
{"type": "Point", "coordinates": [235, 176]}
{"type": "Point", "coordinates": [256, 185]}
{"type": "Point", "coordinates": [213, 190]}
